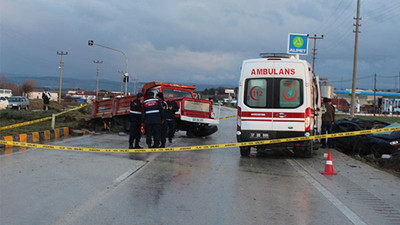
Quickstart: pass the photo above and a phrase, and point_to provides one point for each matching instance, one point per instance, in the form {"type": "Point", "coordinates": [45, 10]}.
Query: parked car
{"type": "Point", "coordinates": [377, 144]}
{"type": "Point", "coordinates": [18, 102]}
{"type": "Point", "coordinates": [3, 103]}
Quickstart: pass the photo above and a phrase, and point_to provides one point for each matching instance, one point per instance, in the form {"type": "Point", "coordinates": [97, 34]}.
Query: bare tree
{"type": "Point", "coordinates": [14, 88]}
{"type": "Point", "coordinates": [28, 86]}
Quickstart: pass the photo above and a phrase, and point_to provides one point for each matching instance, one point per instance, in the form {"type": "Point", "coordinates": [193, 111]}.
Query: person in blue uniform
{"type": "Point", "coordinates": [153, 117]}
{"type": "Point", "coordinates": [164, 126]}
{"type": "Point", "coordinates": [135, 121]}
{"type": "Point", "coordinates": [170, 117]}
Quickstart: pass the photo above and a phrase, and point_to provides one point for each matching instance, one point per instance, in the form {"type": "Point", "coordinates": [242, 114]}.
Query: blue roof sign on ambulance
{"type": "Point", "coordinates": [298, 44]}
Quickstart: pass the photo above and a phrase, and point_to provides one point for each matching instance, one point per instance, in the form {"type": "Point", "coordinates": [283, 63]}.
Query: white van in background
{"type": "Point", "coordinates": [5, 93]}
{"type": "Point", "coordinates": [279, 97]}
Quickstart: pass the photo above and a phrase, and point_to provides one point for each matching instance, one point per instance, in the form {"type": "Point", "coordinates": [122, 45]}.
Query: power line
{"type": "Point", "coordinates": [340, 17]}
{"type": "Point", "coordinates": [358, 78]}
{"type": "Point", "coordinates": [333, 13]}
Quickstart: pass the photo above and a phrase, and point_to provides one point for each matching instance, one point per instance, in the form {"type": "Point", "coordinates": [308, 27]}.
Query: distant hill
{"type": "Point", "coordinates": [52, 83]}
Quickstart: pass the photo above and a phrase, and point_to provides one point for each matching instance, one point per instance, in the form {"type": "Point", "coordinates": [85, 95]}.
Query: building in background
{"type": "Point", "coordinates": [37, 94]}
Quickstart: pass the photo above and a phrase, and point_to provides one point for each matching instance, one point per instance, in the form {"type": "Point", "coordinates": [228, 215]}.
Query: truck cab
{"type": "Point", "coordinates": [195, 116]}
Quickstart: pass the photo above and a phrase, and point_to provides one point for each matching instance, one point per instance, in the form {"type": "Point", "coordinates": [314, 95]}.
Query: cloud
{"type": "Point", "coordinates": [181, 63]}
{"type": "Point", "coordinates": [191, 40]}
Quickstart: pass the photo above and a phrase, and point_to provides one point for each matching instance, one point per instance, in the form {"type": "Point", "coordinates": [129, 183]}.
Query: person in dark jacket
{"type": "Point", "coordinates": [328, 119]}
{"type": "Point", "coordinates": [135, 121]}
{"type": "Point", "coordinates": [46, 99]}
{"type": "Point", "coordinates": [160, 97]}
{"type": "Point", "coordinates": [170, 116]}
{"type": "Point", "coordinates": [153, 117]}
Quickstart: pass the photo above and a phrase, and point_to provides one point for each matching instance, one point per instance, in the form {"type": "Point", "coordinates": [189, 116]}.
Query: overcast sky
{"type": "Point", "coordinates": [196, 41]}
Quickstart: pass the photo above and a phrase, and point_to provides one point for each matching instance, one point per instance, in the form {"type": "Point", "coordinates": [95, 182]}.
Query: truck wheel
{"type": "Point", "coordinates": [19, 108]}
{"type": "Point", "coordinates": [205, 131]}
{"type": "Point", "coordinates": [245, 151]}
{"type": "Point", "coordinates": [27, 107]}
{"type": "Point", "coordinates": [190, 134]}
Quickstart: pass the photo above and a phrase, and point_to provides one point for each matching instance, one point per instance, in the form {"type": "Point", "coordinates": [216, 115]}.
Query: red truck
{"type": "Point", "coordinates": [195, 116]}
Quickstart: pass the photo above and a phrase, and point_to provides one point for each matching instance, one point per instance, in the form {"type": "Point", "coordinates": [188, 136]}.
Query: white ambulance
{"type": "Point", "coordinates": [279, 97]}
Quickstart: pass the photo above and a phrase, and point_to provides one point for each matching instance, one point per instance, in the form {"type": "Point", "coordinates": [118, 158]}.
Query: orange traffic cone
{"type": "Point", "coordinates": [329, 166]}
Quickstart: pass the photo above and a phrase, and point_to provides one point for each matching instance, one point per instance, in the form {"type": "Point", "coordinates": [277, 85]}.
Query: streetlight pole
{"type": "Point", "coordinates": [122, 78]}
{"type": "Point", "coordinates": [97, 85]}
{"type": "Point", "coordinates": [61, 71]}
{"type": "Point", "coordinates": [91, 43]}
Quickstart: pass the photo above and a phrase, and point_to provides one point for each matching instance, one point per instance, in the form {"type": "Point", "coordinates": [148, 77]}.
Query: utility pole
{"type": "Point", "coordinates": [374, 94]}
{"type": "Point", "coordinates": [134, 86]}
{"type": "Point", "coordinates": [97, 85]}
{"type": "Point", "coordinates": [315, 49]}
{"type": "Point", "coordinates": [61, 71]}
{"type": "Point", "coordinates": [357, 31]}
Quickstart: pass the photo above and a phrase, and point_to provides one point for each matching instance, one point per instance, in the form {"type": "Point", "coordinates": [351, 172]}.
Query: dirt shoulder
{"type": "Point", "coordinates": [75, 119]}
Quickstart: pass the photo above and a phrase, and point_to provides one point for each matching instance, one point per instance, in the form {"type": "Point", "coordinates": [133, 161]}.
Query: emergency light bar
{"type": "Point", "coordinates": [275, 55]}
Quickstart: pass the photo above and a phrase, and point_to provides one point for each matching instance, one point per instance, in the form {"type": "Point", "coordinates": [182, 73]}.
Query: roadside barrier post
{"type": "Point", "coordinates": [53, 121]}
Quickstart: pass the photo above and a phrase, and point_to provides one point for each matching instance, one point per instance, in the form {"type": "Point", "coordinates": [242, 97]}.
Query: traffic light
{"type": "Point", "coordinates": [126, 79]}
{"type": "Point", "coordinates": [90, 42]}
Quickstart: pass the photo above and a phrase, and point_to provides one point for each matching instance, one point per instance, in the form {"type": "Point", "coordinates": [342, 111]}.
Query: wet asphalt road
{"type": "Point", "coordinates": [197, 187]}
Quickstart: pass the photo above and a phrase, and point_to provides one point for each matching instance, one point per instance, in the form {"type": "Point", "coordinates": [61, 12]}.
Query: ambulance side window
{"type": "Point", "coordinates": [256, 92]}
{"type": "Point", "coordinates": [290, 93]}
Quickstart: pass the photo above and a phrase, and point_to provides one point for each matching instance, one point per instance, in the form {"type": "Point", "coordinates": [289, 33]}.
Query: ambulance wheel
{"type": "Point", "coordinates": [305, 152]}
{"type": "Point", "coordinates": [245, 151]}
{"type": "Point", "coordinates": [316, 145]}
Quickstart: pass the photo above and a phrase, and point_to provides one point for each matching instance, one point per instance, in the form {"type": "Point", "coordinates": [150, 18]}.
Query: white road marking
{"type": "Point", "coordinates": [336, 202]}
{"type": "Point", "coordinates": [126, 175]}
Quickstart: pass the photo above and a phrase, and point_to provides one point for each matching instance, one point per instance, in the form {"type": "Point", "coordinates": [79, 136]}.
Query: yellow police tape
{"type": "Point", "coordinates": [227, 117]}
{"type": "Point", "coordinates": [40, 120]}
{"type": "Point", "coordinates": [202, 147]}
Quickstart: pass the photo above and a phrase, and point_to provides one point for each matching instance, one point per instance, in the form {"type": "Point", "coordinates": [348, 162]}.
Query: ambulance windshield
{"type": "Point", "coordinates": [273, 93]}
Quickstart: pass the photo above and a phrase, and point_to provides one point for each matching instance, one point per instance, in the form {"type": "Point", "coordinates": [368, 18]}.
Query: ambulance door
{"type": "Point", "coordinates": [318, 109]}
{"type": "Point", "coordinates": [257, 111]}
{"type": "Point", "coordinates": [289, 101]}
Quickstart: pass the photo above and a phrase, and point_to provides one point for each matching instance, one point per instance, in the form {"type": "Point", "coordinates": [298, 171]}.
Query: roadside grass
{"type": "Point", "coordinates": [391, 165]}
{"type": "Point", "coordinates": [387, 119]}
{"type": "Point", "coordinates": [72, 119]}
